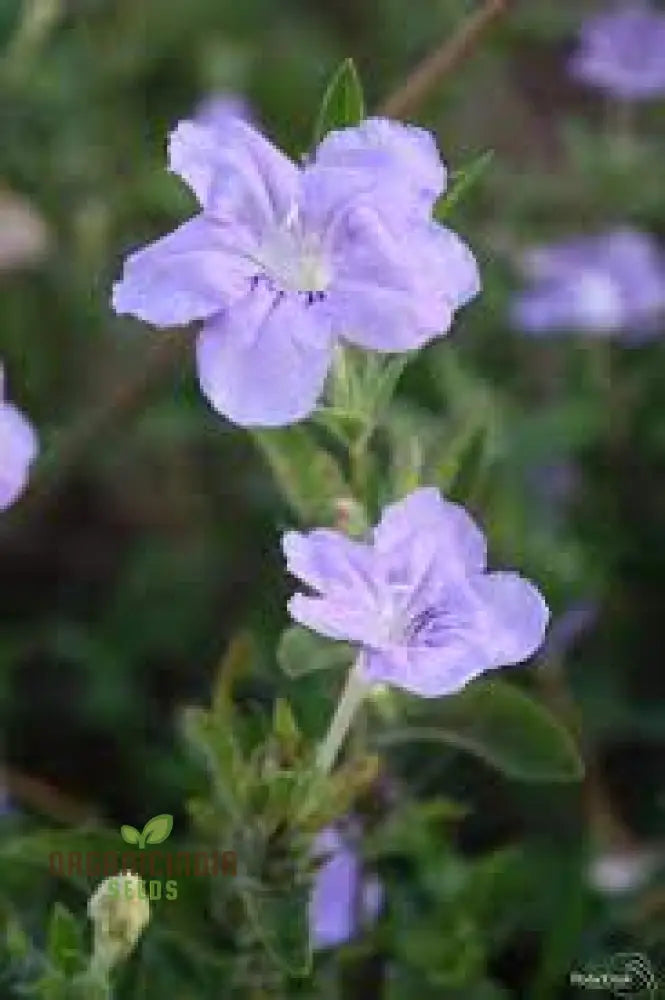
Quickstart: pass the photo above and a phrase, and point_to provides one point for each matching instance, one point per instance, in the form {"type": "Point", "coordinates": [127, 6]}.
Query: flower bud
{"type": "Point", "coordinates": [350, 517]}
{"type": "Point", "coordinates": [119, 910]}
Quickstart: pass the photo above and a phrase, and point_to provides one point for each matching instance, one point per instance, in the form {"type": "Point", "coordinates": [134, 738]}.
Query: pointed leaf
{"type": "Point", "coordinates": [64, 940]}
{"type": "Point", "coordinates": [386, 382]}
{"type": "Point", "coordinates": [303, 652]}
{"type": "Point", "coordinates": [310, 479]}
{"type": "Point", "coordinates": [130, 834]}
{"type": "Point", "coordinates": [462, 182]}
{"type": "Point", "coordinates": [284, 723]}
{"type": "Point", "coordinates": [500, 724]}
{"type": "Point", "coordinates": [157, 829]}
{"type": "Point", "coordinates": [344, 425]}
{"type": "Point", "coordinates": [215, 744]}
{"type": "Point", "coordinates": [343, 103]}
{"type": "Point", "coordinates": [236, 662]}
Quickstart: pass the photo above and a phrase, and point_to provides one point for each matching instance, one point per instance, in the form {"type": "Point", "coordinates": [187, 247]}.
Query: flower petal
{"type": "Point", "coordinates": [264, 361]}
{"type": "Point", "coordinates": [449, 265]}
{"type": "Point", "coordinates": [332, 904]}
{"type": "Point", "coordinates": [328, 192]}
{"type": "Point", "coordinates": [429, 672]}
{"type": "Point", "coordinates": [234, 171]}
{"type": "Point", "coordinates": [18, 448]}
{"type": "Point", "coordinates": [189, 274]}
{"type": "Point", "coordinates": [515, 617]}
{"type": "Point", "coordinates": [327, 561]}
{"type": "Point", "coordinates": [379, 298]}
{"type": "Point", "coordinates": [446, 525]}
{"type": "Point", "coordinates": [396, 288]}
{"type": "Point", "coordinates": [335, 618]}
{"type": "Point", "coordinates": [403, 153]}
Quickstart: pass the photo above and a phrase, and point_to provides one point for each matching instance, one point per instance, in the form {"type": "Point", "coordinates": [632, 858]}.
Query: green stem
{"type": "Point", "coordinates": [359, 466]}
{"type": "Point", "coordinates": [352, 697]}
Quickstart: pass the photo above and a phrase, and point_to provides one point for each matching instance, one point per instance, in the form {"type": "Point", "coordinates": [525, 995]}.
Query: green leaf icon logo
{"type": "Point", "coordinates": [157, 829]}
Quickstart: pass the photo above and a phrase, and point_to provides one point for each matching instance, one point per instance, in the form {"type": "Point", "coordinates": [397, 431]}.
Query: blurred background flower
{"type": "Point", "coordinates": [622, 51]}
{"type": "Point", "coordinates": [344, 899]}
{"type": "Point", "coordinates": [18, 449]}
{"type": "Point", "coordinates": [603, 284]}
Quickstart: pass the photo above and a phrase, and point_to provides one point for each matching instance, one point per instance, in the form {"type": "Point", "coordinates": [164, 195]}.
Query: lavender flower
{"type": "Point", "coordinates": [604, 284]}
{"type": "Point", "coordinates": [18, 449]}
{"type": "Point", "coordinates": [623, 52]}
{"type": "Point", "coordinates": [282, 260]}
{"type": "Point", "coordinates": [220, 108]}
{"type": "Point", "coordinates": [342, 898]}
{"type": "Point", "coordinates": [416, 598]}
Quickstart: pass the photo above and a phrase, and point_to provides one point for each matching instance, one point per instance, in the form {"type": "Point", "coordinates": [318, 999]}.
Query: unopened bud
{"type": "Point", "coordinates": [350, 517]}
{"type": "Point", "coordinates": [119, 910]}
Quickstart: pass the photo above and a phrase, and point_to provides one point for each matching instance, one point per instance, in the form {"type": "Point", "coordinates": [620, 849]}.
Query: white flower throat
{"type": "Point", "coordinates": [296, 260]}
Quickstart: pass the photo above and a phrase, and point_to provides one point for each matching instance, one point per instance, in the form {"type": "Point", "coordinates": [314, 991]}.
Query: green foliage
{"type": "Point", "coordinates": [499, 723]}
{"type": "Point", "coordinates": [303, 652]}
{"type": "Point", "coordinates": [266, 804]}
{"type": "Point", "coordinates": [150, 531]}
{"type": "Point", "coordinates": [343, 103]}
{"type": "Point", "coordinates": [462, 183]}
{"type": "Point", "coordinates": [309, 477]}
{"type": "Point", "coordinates": [63, 943]}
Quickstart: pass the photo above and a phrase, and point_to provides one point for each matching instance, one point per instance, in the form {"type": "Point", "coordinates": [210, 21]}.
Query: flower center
{"type": "Point", "coordinates": [399, 623]}
{"type": "Point", "coordinates": [295, 259]}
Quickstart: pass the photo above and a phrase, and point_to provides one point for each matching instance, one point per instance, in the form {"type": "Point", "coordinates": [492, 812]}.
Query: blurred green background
{"type": "Point", "coordinates": [150, 532]}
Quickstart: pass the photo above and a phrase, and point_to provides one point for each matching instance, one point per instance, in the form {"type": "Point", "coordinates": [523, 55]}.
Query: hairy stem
{"type": "Point", "coordinates": [352, 697]}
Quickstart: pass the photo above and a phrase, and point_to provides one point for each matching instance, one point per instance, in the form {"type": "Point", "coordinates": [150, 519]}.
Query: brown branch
{"type": "Point", "coordinates": [44, 799]}
{"type": "Point", "coordinates": [442, 61]}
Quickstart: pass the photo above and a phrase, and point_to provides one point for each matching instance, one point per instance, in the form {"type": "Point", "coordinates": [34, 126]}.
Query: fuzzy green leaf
{"type": "Point", "coordinates": [310, 479]}
{"type": "Point", "coordinates": [302, 652]}
{"type": "Point", "coordinates": [500, 724]}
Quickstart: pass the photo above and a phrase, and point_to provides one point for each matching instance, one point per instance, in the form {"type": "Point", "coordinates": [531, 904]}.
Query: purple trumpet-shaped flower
{"type": "Point", "coordinates": [343, 898]}
{"type": "Point", "coordinates": [622, 51]}
{"type": "Point", "coordinates": [18, 449]}
{"type": "Point", "coordinates": [604, 284]}
{"type": "Point", "coordinates": [282, 260]}
{"type": "Point", "coordinates": [416, 598]}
